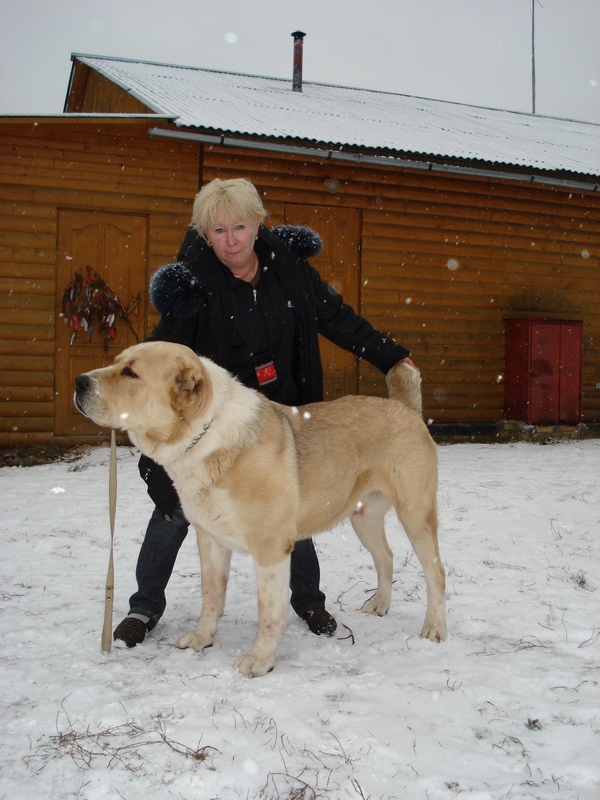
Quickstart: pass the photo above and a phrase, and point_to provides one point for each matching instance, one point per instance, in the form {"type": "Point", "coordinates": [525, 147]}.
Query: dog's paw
{"type": "Point", "coordinates": [253, 667]}
{"type": "Point", "coordinates": [435, 632]}
{"type": "Point", "coordinates": [193, 641]}
{"type": "Point", "coordinates": [377, 606]}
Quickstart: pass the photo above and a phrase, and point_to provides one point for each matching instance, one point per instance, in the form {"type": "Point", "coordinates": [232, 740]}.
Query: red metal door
{"type": "Point", "coordinates": [544, 370]}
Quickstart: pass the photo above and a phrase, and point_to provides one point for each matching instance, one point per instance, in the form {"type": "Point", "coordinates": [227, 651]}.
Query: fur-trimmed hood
{"type": "Point", "coordinates": [300, 238]}
{"type": "Point", "coordinates": [175, 291]}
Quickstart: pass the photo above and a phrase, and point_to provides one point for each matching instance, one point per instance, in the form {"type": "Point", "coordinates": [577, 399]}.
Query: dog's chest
{"type": "Point", "coordinates": [213, 510]}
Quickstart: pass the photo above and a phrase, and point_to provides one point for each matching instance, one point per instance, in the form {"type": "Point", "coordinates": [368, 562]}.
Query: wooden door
{"type": "Point", "coordinates": [115, 246]}
{"type": "Point", "coordinates": [338, 264]}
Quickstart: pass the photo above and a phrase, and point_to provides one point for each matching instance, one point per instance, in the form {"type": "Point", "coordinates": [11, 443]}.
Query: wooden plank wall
{"type": "Point", "coordinates": [445, 258]}
{"type": "Point", "coordinates": [93, 93]}
{"type": "Point", "coordinates": [46, 166]}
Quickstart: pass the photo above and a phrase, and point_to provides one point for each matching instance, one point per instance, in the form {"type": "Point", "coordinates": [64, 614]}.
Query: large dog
{"type": "Point", "coordinates": [255, 476]}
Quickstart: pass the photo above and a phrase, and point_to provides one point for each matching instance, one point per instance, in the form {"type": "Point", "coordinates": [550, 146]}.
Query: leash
{"type": "Point", "coordinates": [110, 578]}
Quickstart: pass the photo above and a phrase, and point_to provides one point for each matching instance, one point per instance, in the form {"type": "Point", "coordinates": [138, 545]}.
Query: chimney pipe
{"type": "Point", "coordinates": [297, 77]}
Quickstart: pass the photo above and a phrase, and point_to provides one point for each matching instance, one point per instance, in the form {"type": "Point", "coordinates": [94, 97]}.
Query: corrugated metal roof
{"type": "Point", "coordinates": [338, 115]}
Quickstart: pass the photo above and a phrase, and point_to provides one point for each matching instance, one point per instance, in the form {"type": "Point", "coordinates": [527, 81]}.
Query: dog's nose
{"type": "Point", "coordinates": [82, 383]}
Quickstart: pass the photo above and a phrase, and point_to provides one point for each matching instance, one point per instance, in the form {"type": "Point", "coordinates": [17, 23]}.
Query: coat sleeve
{"type": "Point", "coordinates": [190, 247]}
{"type": "Point", "coordinates": [179, 331]}
{"type": "Point", "coordinates": [178, 296]}
{"type": "Point", "coordinates": [341, 325]}
{"type": "Point", "coordinates": [160, 487]}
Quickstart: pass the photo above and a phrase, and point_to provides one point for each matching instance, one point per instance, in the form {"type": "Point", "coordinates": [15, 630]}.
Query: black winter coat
{"type": "Point", "coordinates": [195, 303]}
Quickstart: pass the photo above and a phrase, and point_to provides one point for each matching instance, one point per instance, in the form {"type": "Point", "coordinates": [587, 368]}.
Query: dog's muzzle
{"type": "Point", "coordinates": [82, 386]}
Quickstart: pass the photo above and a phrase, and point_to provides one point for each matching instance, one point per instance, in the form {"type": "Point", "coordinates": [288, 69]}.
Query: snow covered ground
{"type": "Point", "coordinates": [507, 707]}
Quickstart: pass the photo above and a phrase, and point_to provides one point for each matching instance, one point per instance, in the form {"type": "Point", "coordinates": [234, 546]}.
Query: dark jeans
{"type": "Point", "coordinates": [157, 559]}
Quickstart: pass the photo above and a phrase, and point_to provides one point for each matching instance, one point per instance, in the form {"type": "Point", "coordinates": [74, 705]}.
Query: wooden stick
{"type": "Point", "coordinates": [110, 578]}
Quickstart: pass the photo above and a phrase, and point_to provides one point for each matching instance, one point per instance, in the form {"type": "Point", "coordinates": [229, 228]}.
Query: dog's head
{"type": "Point", "coordinates": [404, 383]}
{"type": "Point", "coordinates": [154, 391]}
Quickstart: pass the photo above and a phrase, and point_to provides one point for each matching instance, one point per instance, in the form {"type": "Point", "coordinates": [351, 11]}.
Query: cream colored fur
{"type": "Point", "coordinates": [255, 476]}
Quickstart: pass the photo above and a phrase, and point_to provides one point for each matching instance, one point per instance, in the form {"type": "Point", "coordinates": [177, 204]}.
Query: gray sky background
{"type": "Point", "coordinates": [468, 51]}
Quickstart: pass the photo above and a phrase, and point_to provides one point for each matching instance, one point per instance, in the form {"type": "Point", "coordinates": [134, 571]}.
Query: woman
{"type": "Point", "coordinates": [246, 297]}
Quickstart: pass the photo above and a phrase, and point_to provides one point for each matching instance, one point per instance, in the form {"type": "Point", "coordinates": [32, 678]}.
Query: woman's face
{"type": "Point", "coordinates": [233, 243]}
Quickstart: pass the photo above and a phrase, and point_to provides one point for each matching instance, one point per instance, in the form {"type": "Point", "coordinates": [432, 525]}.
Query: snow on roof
{"type": "Point", "coordinates": [338, 115]}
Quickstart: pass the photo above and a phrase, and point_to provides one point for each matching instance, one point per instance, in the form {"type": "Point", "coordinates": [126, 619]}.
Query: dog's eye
{"type": "Point", "coordinates": [128, 372]}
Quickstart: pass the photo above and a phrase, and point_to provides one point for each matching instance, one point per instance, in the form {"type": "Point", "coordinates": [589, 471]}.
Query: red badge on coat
{"type": "Point", "coordinates": [265, 373]}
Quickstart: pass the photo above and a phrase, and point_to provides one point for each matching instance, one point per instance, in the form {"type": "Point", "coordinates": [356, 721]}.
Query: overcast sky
{"type": "Point", "coordinates": [468, 51]}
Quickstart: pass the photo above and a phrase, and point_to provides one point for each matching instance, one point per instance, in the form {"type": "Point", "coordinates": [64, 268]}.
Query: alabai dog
{"type": "Point", "coordinates": [255, 476]}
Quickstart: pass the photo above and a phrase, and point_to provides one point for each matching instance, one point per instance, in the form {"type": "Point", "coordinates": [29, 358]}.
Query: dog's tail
{"type": "Point", "coordinates": [404, 384]}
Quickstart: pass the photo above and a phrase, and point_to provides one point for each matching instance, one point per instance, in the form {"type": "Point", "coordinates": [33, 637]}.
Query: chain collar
{"type": "Point", "coordinates": [196, 439]}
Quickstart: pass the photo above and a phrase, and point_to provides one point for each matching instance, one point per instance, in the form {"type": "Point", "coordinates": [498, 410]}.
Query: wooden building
{"type": "Point", "coordinates": [438, 250]}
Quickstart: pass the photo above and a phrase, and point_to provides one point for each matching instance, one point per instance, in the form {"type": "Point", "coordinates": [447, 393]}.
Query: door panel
{"type": "Point", "coordinates": [570, 373]}
{"type": "Point", "coordinates": [115, 246]}
{"type": "Point", "coordinates": [545, 360]}
{"type": "Point", "coordinates": [338, 264]}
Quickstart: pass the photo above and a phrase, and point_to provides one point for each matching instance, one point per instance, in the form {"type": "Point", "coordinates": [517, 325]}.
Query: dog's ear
{"type": "Point", "coordinates": [189, 390]}
{"type": "Point", "coordinates": [186, 381]}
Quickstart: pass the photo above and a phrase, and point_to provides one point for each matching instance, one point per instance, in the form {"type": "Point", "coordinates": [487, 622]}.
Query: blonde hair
{"type": "Point", "coordinates": [234, 200]}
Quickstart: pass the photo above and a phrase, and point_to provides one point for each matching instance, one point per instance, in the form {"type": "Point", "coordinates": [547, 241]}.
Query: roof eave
{"type": "Point", "coordinates": [335, 152]}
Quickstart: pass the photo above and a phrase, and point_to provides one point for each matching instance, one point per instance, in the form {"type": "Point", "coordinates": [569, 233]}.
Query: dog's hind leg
{"type": "Point", "coordinates": [273, 583]}
{"type": "Point", "coordinates": [367, 521]}
{"type": "Point", "coordinates": [214, 566]}
{"type": "Point", "coordinates": [419, 519]}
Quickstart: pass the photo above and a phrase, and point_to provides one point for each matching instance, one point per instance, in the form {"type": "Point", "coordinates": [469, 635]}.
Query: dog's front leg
{"type": "Point", "coordinates": [214, 567]}
{"type": "Point", "coordinates": [273, 602]}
